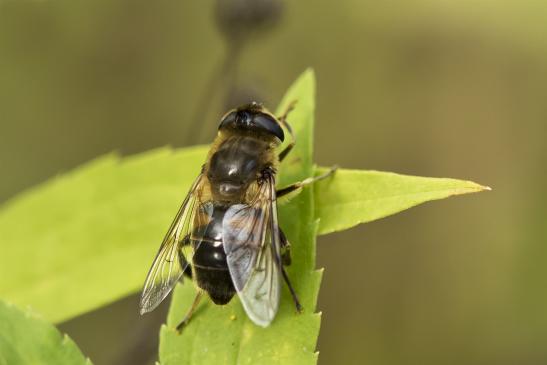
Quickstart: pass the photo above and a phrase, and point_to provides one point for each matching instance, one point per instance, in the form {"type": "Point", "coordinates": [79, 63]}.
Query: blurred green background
{"type": "Point", "coordinates": [432, 88]}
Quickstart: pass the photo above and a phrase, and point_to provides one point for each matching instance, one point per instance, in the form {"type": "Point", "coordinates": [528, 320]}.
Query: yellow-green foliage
{"type": "Point", "coordinates": [90, 235]}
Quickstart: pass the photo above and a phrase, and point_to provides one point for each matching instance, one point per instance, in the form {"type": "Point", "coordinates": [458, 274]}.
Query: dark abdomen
{"type": "Point", "coordinates": [209, 261]}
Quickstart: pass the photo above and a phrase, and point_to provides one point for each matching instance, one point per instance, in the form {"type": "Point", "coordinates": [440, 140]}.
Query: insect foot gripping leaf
{"type": "Point", "coordinates": [27, 339]}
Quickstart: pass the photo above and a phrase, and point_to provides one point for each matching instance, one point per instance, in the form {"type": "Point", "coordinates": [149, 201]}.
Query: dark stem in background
{"type": "Point", "coordinates": [238, 21]}
{"type": "Point", "coordinates": [224, 77]}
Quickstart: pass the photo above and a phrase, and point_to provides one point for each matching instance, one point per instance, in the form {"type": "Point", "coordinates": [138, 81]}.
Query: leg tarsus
{"type": "Point", "coordinates": [283, 117]}
{"type": "Point", "coordinates": [283, 120]}
{"type": "Point", "coordinates": [300, 184]}
{"type": "Point", "coordinates": [188, 315]}
{"type": "Point", "coordinates": [295, 299]}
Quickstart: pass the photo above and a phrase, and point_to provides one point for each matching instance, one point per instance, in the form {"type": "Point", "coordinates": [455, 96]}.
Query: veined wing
{"type": "Point", "coordinates": [171, 261]}
{"type": "Point", "coordinates": [251, 243]}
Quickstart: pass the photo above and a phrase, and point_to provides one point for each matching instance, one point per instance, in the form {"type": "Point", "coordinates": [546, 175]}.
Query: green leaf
{"type": "Point", "coordinates": [352, 196]}
{"type": "Point", "coordinates": [27, 339]}
{"type": "Point", "coordinates": [89, 236]}
{"type": "Point", "coordinates": [224, 334]}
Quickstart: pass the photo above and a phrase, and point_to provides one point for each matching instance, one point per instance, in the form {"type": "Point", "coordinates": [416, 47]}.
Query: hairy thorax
{"type": "Point", "coordinates": [236, 162]}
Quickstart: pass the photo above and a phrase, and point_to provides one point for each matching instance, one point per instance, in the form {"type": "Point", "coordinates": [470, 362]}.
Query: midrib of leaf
{"type": "Point", "coordinates": [451, 192]}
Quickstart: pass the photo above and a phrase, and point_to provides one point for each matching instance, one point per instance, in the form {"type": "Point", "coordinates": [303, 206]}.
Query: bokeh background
{"type": "Point", "coordinates": [423, 87]}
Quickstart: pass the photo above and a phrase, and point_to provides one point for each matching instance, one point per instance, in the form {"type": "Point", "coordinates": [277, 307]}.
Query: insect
{"type": "Point", "coordinates": [225, 235]}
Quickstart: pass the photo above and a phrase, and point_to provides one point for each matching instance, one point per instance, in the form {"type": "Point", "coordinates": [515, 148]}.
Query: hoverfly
{"type": "Point", "coordinates": [225, 235]}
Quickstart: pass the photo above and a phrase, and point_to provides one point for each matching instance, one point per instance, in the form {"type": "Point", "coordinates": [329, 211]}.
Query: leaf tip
{"type": "Point", "coordinates": [478, 187]}
{"type": "Point", "coordinates": [309, 73]}
{"type": "Point", "coordinates": [29, 313]}
{"type": "Point", "coordinates": [468, 187]}
{"type": "Point", "coordinates": [66, 340]}
{"type": "Point", "coordinates": [306, 78]}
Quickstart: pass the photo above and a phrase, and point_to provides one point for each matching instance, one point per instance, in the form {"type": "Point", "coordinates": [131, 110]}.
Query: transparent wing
{"type": "Point", "coordinates": [251, 243]}
{"type": "Point", "coordinates": [175, 251]}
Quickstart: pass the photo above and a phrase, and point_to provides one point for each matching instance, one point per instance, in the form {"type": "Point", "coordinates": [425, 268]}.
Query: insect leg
{"type": "Point", "coordinates": [182, 259]}
{"type": "Point", "coordinates": [286, 151]}
{"type": "Point", "coordinates": [286, 260]}
{"type": "Point", "coordinates": [285, 249]}
{"type": "Point", "coordinates": [283, 120]}
{"type": "Point", "coordinates": [188, 315]}
{"type": "Point", "coordinates": [296, 188]}
{"type": "Point", "coordinates": [291, 289]}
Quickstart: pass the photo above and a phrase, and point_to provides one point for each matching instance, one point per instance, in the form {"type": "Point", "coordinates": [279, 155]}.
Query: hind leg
{"type": "Point", "coordinates": [188, 315]}
{"type": "Point", "coordinates": [286, 260]}
{"type": "Point", "coordinates": [285, 248]}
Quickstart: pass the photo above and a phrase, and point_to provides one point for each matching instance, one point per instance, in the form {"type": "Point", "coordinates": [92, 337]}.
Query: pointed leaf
{"type": "Point", "coordinates": [353, 196]}
{"type": "Point", "coordinates": [27, 339]}
{"type": "Point", "coordinates": [88, 237]}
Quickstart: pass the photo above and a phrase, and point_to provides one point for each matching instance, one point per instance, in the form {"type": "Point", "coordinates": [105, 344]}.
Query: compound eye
{"type": "Point", "coordinates": [229, 120]}
{"type": "Point", "coordinates": [270, 125]}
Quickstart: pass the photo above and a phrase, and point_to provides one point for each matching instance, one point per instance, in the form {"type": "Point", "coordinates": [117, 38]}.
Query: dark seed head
{"type": "Point", "coordinates": [238, 19]}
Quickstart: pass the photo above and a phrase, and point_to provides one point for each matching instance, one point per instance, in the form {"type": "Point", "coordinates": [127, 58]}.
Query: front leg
{"type": "Point", "coordinates": [283, 121]}
{"type": "Point", "coordinates": [296, 188]}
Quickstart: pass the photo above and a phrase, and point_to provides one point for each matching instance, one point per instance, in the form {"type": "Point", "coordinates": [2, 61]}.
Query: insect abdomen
{"type": "Point", "coordinates": [209, 261]}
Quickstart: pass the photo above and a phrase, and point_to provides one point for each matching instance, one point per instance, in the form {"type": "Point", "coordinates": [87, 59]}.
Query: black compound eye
{"type": "Point", "coordinates": [252, 119]}
{"type": "Point", "coordinates": [269, 124]}
{"type": "Point", "coordinates": [229, 120]}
